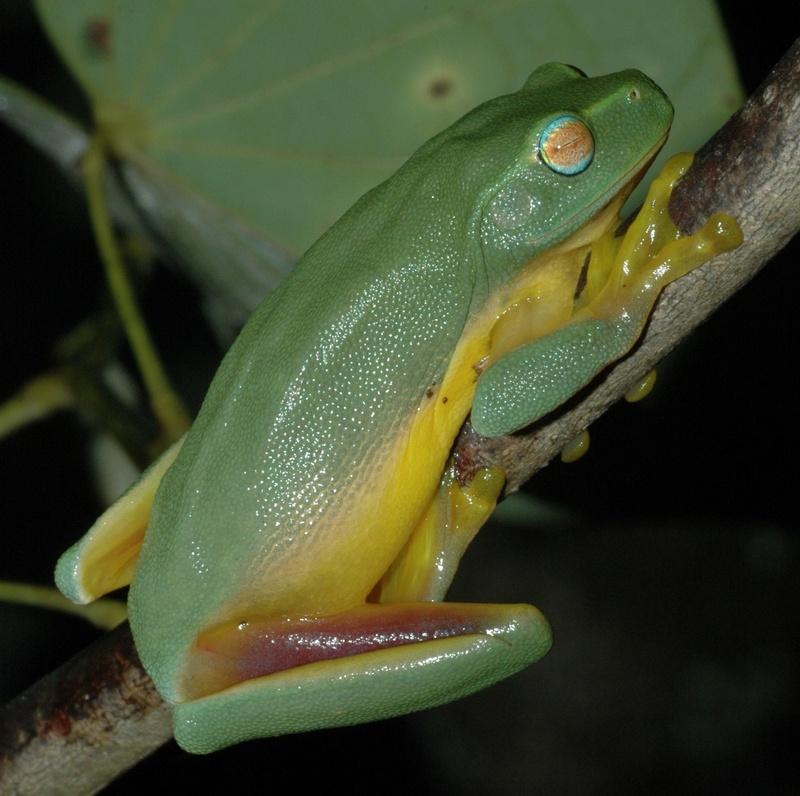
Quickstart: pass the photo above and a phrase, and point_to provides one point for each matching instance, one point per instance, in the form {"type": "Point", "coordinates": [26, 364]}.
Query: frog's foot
{"type": "Point", "coordinates": [624, 278]}
{"type": "Point", "coordinates": [428, 562]}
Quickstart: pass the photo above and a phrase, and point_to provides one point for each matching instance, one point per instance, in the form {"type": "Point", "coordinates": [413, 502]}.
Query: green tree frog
{"type": "Point", "coordinates": [300, 540]}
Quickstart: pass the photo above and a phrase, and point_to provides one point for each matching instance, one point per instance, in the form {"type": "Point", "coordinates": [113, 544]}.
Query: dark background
{"type": "Point", "coordinates": [672, 589]}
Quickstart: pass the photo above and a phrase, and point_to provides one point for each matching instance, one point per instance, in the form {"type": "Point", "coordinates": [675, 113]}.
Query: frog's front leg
{"type": "Point", "coordinates": [625, 277]}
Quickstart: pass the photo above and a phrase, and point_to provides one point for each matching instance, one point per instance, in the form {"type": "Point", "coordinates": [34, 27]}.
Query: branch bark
{"type": "Point", "coordinates": [84, 724]}
{"type": "Point", "coordinates": [87, 722]}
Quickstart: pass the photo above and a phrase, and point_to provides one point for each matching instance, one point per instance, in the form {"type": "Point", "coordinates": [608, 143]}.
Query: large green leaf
{"type": "Point", "coordinates": [268, 119]}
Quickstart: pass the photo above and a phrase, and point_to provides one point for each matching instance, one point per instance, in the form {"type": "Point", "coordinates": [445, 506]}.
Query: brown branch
{"type": "Point", "coordinates": [87, 722]}
{"type": "Point", "coordinates": [84, 724]}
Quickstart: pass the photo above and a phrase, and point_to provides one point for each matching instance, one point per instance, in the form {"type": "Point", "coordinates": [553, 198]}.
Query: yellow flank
{"type": "Point", "coordinates": [539, 300]}
{"type": "Point", "coordinates": [333, 564]}
{"type": "Point", "coordinates": [426, 566]}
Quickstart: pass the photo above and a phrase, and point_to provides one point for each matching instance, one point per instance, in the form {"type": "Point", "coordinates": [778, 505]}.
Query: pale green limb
{"type": "Point", "coordinates": [165, 402]}
{"type": "Point", "coordinates": [38, 399]}
{"type": "Point", "coordinates": [105, 614]}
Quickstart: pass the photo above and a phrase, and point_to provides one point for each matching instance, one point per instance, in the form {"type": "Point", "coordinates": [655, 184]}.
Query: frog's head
{"type": "Point", "coordinates": [572, 146]}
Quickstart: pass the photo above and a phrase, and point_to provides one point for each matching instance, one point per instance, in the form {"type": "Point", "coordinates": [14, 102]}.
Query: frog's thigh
{"type": "Point", "coordinates": [370, 686]}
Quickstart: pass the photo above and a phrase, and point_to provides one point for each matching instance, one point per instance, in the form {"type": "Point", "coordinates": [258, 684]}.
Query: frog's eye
{"type": "Point", "coordinates": [566, 145]}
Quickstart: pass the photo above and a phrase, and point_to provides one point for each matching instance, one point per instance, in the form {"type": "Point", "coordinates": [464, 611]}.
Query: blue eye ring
{"type": "Point", "coordinates": [566, 145]}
